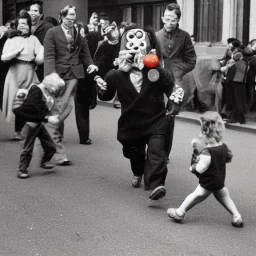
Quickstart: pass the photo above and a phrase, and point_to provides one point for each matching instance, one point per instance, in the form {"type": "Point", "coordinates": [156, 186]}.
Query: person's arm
{"type": "Point", "coordinates": [85, 55]}
{"type": "Point", "coordinates": [203, 163]}
{"type": "Point", "coordinates": [39, 52]}
{"type": "Point", "coordinates": [10, 50]}
{"type": "Point", "coordinates": [188, 55]}
{"type": "Point", "coordinates": [109, 90]}
{"type": "Point", "coordinates": [49, 53]}
{"type": "Point", "coordinates": [31, 109]}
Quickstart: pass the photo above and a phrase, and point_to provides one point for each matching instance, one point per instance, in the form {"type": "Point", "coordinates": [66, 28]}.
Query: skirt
{"type": "Point", "coordinates": [20, 75]}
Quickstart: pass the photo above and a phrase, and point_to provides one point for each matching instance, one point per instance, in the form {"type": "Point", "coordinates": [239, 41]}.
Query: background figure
{"type": "Point", "coordinates": [235, 46]}
{"type": "Point", "coordinates": [235, 88]}
{"type": "Point", "coordinates": [85, 99]}
{"type": "Point", "coordinates": [250, 53]}
{"type": "Point", "coordinates": [26, 52]}
{"type": "Point", "coordinates": [67, 54]}
{"type": "Point", "coordinates": [178, 54]}
{"type": "Point", "coordinates": [51, 20]}
{"type": "Point", "coordinates": [4, 66]}
{"type": "Point", "coordinates": [39, 29]}
{"type": "Point", "coordinates": [93, 33]}
{"type": "Point", "coordinates": [106, 54]}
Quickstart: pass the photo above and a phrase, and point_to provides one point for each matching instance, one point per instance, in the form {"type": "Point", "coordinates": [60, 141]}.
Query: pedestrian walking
{"type": "Point", "coordinates": [25, 51]}
{"type": "Point", "coordinates": [210, 167]}
{"type": "Point", "coordinates": [67, 54]}
{"type": "Point", "coordinates": [39, 29]}
{"type": "Point", "coordinates": [140, 89]}
{"type": "Point", "coordinates": [34, 107]}
{"type": "Point", "coordinates": [178, 54]}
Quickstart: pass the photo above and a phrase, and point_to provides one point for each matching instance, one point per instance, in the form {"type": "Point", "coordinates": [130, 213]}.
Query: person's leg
{"type": "Point", "coordinates": [155, 168]}
{"type": "Point", "coordinates": [225, 200]}
{"type": "Point", "coordinates": [48, 145]}
{"type": "Point", "coordinates": [65, 101]}
{"type": "Point", "coordinates": [199, 195]}
{"type": "Point", "coordinates": [19, 124]}
{"type": "Point", "coordinates": [82, 113]}
{"type": "Point", "coordinates": [26, 154]}
{"type": "Point", "coordinates": [136, 153]}
{"type": "Point", "coordinates": [169, 136]}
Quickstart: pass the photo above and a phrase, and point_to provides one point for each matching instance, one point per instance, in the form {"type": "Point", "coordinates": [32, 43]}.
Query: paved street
{"type": "Point", "coordinates": [91, 209]}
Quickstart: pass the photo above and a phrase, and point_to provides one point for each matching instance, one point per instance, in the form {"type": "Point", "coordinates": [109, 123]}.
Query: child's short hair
{"type": "Point", "coordinates": [54, 84]}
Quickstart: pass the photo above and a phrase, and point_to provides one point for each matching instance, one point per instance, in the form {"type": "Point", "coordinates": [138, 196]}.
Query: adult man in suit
{"type": "Point", "coordinates": [67, 54]}
{"type": "Point", "coordinates": [178, 53]}
{"type": "Point", "coordinates": [39, 29]}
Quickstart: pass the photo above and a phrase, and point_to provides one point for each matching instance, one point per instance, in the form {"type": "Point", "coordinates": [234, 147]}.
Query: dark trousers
{"type": "Point", "coordinates": [19, 123]}
{"type": "Point", "coordinates": [31, 133]}
{"type": "Point", "coordinates": [169, 135]}
{"type": "Point", "coordinates": [82, 112]}
{"type": "Point", "coordinates": [154, 166]}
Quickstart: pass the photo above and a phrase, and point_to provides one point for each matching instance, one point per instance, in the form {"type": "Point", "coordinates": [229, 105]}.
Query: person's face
{"type": "Point", "coordinates": [104, 23]}
{"type": "Point", "coordinates": [170, 20]}
{"type": "Point", "coordinates": [8, 25]}
{"type": "Point", "coordinates": [254, 47]}
{"type": "Point", "coordinates": [34, 13]}
{"type": "Point", "coordinates": [23, 26]}
{"type": "Point", "coordinates": [94, 20]}
{"type": "Point", "coordinates": [230, 46]}
{"type": "Point", "coordinates": [69, 20]}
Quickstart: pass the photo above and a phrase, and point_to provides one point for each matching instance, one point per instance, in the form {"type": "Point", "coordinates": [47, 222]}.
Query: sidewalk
{"type": "Point", "coordinates": [193, 117]}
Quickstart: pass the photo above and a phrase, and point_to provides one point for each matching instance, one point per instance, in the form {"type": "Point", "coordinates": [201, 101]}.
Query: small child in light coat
{"type": "Point", "coordinates": [209, 165]}
{"type": "Point", "coordinates": [33, 106]}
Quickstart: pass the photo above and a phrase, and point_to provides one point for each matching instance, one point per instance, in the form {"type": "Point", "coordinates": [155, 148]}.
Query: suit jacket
{"type": "Point", "coordinates": [41, 29]}
{"type": "Point", "coordinates": [178, 51]}
{"type": "Point", "coordinates": [58, 58]}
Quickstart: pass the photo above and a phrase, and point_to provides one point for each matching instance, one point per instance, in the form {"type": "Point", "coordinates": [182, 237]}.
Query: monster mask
{"type": "Point", "coordinates": [135, 44]}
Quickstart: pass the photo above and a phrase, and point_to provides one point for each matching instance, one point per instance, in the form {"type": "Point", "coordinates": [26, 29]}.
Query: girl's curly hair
{"type": "Point", "coordinates": [212, 127]}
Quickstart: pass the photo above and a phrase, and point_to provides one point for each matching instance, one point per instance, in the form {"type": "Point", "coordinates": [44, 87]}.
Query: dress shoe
{"type": "Point", "coordinates": [158, 193]}
{"type": "Point", "coordinates": [65, 163]}
{"type": "Point", "coordinates": [88, 142]}
{"type": "Point", "coordinates": [46, 165]}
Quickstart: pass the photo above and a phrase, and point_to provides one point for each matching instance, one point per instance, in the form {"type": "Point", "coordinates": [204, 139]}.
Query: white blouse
{"type": "Point", "coordinates": [32, 49]}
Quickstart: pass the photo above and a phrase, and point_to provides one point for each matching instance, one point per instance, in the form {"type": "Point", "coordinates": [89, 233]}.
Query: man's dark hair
{"type": "Point", "coordinates": [175, 8]}
{"type": "Point", "coordinates": [64, 11]}
{"type": "Point", "coordinates": [230, 40]}
{"type": "Point", "coordinates": [236, 43]}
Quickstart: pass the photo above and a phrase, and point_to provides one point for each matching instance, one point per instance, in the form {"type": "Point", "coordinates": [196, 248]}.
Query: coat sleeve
{"type": "Point", "coordinates": [49, 53]}
{"type": "Point", "coordinates": [85, 55]}
{"type": "Point", "coordinates": [31, 109]}
{"type": "Point", "coordinates": [109, 93]}
{"type": "Point", "coordinates": [39, 52]}
{"type": "Point", "coordinates": [189, 55]}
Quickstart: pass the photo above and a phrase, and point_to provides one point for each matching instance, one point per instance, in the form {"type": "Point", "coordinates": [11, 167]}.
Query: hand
{"type": "Point", "coordinates": [92, 68]}
{"type": "Point", "coordinates": [53, 119]}
{"type": "Point", "coordinates": [101, 83]}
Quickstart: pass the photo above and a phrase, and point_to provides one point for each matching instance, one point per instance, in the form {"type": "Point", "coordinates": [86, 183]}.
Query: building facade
{"type": "Point", "coordinates": [210, 21]}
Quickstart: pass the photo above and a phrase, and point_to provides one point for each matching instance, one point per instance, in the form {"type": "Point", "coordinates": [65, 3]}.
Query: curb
{"type": "Point", "coordinates": [249, 127]}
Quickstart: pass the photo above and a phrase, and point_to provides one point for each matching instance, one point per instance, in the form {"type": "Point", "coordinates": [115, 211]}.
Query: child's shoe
{"type": "Point", "coordinates": [136, 181]}
{"type": "Point", "coordinates": [237, 221]}
{"type": "Point", "coordinates": [175, 214]}
{"type": "Point", "coordinates": [23, 174]}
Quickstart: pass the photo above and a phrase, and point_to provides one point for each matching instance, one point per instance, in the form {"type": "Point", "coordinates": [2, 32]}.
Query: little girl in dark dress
{"type": "Point", "coordinates": [210, 167]}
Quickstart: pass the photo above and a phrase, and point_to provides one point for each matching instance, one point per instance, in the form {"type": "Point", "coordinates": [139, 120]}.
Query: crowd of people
{"type": "Point", "coordinates": [50, 65]}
